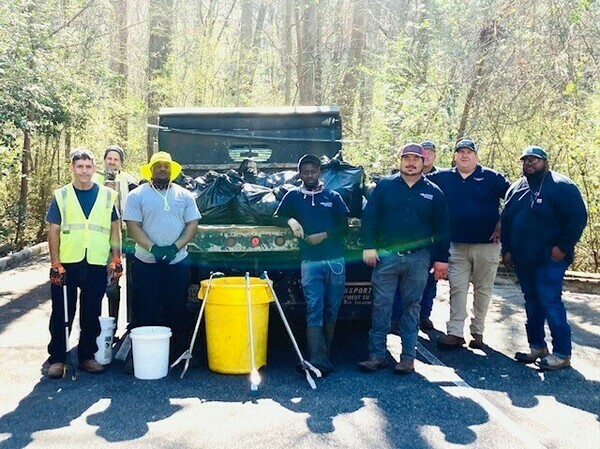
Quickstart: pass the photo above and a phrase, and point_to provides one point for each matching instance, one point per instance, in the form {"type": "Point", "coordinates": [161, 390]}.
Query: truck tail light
{"type": "Point", "coordinates": [255, 241]}
{"type": "Point", "coordinates": [280, 240]}
{"type": "Point", "coordinates": [230, 242]}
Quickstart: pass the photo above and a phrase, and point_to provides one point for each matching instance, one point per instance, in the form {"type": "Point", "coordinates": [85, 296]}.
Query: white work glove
{"type": "Point", "coordinates": [296, 228]}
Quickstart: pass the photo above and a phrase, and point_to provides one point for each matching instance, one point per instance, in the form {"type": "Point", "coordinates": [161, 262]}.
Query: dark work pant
{"type": "Point", "coordinates": [91, 282]}
{"type": "Point", "coordinates": [159, 296]}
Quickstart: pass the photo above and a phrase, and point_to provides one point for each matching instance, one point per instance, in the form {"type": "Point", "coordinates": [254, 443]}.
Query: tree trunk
{"type": "Point", "coordinates": [159, 48]}
{"type": "Point", "coordinates": [24, 189]}
{"type": "Point", "coordinates": [119, 66]}
{"type": "Point", "coordinates": [307, 38]}
{"type": "Point", "coordinates": [287, 56]}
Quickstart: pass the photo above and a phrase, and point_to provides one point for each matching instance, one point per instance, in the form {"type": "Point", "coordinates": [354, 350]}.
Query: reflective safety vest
{"type": "Point", "coordinates": [121, 185]}
{"type": "Point", "coordinates": [82, 237]}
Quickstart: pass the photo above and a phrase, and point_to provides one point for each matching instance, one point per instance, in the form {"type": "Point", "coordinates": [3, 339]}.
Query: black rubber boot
{"type": "Point", "coordinates": [113, 293]}
{"type": "Point", "coordinates": [317, 351]}
{"type": "Point", "coordinates": [328, 332]}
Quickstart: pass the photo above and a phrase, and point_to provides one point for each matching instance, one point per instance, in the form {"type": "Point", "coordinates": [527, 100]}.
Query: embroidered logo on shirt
{"type": "Point", "coordinates": [326, 204]}
{"type": "Point", "coordinates": [427, 196]}
{"type": "Point", "coordinates": [478, 179]}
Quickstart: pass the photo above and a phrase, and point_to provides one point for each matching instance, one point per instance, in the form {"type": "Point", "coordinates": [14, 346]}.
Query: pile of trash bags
{"type": "Point", "coordinates": [228, 198]}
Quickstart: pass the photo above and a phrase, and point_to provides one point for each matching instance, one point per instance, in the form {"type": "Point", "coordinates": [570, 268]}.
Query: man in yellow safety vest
{"type": "Point", "coordinates": [83, 231]}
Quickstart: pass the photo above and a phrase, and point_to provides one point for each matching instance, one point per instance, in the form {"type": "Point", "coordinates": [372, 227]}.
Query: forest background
{"type": "Point", "coordinates": [89, 73]}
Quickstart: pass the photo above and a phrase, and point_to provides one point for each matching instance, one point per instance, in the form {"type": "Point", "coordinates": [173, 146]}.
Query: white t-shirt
{"type": "Point", "coordinates": [162, 214]}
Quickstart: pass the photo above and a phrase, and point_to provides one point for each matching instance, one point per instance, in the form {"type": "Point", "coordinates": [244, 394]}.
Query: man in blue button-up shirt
{"type": "Point", "coordinates": [473, 193]}
{"type": "Point", "coordinates": [404, 223]}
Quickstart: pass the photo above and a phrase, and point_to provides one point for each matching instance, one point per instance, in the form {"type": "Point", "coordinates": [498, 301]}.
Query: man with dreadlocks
{"type": "Point", "coordinates": [162, 218]}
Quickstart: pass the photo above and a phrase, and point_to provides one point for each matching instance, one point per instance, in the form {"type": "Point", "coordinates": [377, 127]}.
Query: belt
{"type": "Point", "coordinates": [408, 252]}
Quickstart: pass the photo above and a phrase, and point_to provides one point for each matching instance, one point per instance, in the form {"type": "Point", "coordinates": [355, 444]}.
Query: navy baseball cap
{"type": "Point", "coordinates": [309, 158]}
{"type": "Point", "coordinates": [465, 143]}
{"type": "Point", "coordinates": [411, 148]}
{"type": "Point", "coordinates": [428, 144]}
{"type": "Point", "coordinates": [535, 152]}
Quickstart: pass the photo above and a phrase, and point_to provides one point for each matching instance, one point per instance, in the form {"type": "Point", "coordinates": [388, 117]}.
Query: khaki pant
{"type": "Point", "coordinates": [476, 263]}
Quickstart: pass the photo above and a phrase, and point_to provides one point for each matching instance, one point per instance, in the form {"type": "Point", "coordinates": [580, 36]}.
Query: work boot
{"type": "Point", "coordinates": [477, 342]}
{"type": "Point", "coordinates": [425, 324]}
{"type": "Point", "coordinates": [405, 367]}
{"type": "Point", "coordinates": [450, 342]}
{"type": "Point", "coordinates": [91, 366]}
{"type": "Point", "coordinates": [56, 370]}
{"type": "Point", "coordinates": [553, 362]}
{"type": "Point", "coordinates": [113, 294]}
{"type": "Point", "coordinates": [317, 351]}
{"type": "Point", "coordinates": [373, 364]}
{"type": "Point", "coordinates": [328, 332]}
{"type": "Point", "coordinates": [532, 355]}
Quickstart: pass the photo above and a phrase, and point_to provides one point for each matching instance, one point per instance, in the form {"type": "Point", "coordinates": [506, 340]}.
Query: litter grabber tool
{"type": "Point", "coordinates": [68, 353]}
{"type": "Point", "coordinates": [305, 364]}
{"type": "Point", "coordinates": [254, 374]}
{"type": "Point", "coordinates": [187, 355]}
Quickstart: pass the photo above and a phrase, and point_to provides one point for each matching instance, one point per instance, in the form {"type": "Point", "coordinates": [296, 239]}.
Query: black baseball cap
{"type": "Point", "coordinates": [428, 144]}
{"type": "Point", "coordinates": [411, 148]}
{"type": "Point", "coordinates": [309, 159]}
{"type": "Point", "coordinates": [535, 152]}
{"type": "Point", "coordinates": [465, 143]}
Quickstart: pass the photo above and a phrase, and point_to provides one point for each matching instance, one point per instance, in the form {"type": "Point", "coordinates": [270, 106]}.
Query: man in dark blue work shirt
{"type": "Point", "coordinates": [406, 215]}
{"type": "Point", "coordinates": [318, 217]}
{"type": "Point", "coordinates": [473, 193]}
{"type": "Point", "coordinates": [542, 221]}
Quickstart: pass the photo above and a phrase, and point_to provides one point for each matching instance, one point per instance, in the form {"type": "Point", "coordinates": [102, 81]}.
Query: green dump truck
{"type": "Point", "coordinates": [220, 139]}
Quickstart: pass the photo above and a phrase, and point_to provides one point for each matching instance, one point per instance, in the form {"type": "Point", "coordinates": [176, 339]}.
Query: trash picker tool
{"type": "Point", "coordinates": [187, 355]}
{"type": "Point", "coordinates": [254, 374]}
{"type": "Point", "coordinates": [305, 364]}
{"type": "Point", "coordinates": [68, 353]}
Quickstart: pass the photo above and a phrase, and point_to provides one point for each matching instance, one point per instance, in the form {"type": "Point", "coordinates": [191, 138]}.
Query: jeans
{"type": "Point", "coordinates": [476, 263]}
{"type": "Point", "coordinates": [323, 283]}
{"type": "Point", "coordinates": [542, 289]}
{"type": "Point", "coordinates": [407, 273]}
{"type": "Point", "coordinates": [91, 281]}
{"type": "Point", "coordinates": [429, 295]}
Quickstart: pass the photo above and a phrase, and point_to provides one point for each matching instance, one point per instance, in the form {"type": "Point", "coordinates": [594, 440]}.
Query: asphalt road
{"type": "Point", "coordinates": [465, 398]}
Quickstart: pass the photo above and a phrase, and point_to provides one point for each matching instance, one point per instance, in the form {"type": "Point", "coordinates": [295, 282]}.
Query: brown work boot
{"type": "Point", "coordinates": [426, 324]}
{"type": "Point", "coordinates": [56, 370]}
{"type": "Point", "coordinates": [91, 366]}
{"type": "Point", "coordinates": [553, 362]}
{"type": "Point", "coordinates": [373, 364]}
{"type": "Point", "coordinates": [450, 342]}
{"type": "Point", "coordinates": [532, 355]}
{"type": "Point", "coordinates": [405, 367]}
{"type": "Point", "coordinates": [477, 342]}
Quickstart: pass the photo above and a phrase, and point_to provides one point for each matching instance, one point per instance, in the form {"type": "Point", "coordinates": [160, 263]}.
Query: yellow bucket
{"type": "Point", "coordinates": [226, 320]}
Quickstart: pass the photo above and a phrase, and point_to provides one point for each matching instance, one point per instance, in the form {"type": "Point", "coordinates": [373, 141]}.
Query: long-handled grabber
{"type": "Point", "coordinates": [254, 374]}
{"type": "Point", "coordinates": [187, 355]}
{"type": "Point", "coordinates": [68, 353]}
{"type": "Point", "coordinates": [305, 364]}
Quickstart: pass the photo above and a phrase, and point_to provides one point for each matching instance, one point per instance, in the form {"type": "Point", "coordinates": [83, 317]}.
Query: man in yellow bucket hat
{"type": "Point", "coordinates": [162, 218]}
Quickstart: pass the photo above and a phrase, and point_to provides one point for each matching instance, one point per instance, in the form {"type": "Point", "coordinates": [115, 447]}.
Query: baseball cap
{"type": "Point", "coordinates": [465, 143]}
{"type": "Point", "coordinates": [535, 152]}
{"type": "Point", "coordinates": [428, 144]}
{"type": "Point", "coordinates": [411, 148]}
{"type": "Point", "coordinates": [309, 158]}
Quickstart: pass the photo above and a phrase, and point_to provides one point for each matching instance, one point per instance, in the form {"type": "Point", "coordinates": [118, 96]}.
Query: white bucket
{"type": "Point", "coordinates": [105, 340]}
{"type": "Point", "coordinates": [150, 351]}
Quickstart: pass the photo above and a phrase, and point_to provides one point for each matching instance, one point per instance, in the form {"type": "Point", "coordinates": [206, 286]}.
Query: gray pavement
{"type": "Point", "coordinates": [465, 398]}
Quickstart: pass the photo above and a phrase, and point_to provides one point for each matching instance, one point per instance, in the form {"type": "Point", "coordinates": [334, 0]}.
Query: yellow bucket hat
{"type": "Point", "coordinates": [161, 156]}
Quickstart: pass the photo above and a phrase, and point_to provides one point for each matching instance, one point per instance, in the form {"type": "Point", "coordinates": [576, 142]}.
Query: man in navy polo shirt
{"type": "Point", "coordinates": [318, 217]}
{"type": "Point", "coordinates": [473, 193]}
{"type": "Point", "coordinates": [542, 222]}
{"type": "Point", "coordinates": [406, 215]}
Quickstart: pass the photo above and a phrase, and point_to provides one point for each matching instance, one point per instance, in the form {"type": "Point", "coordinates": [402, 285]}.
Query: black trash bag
{"type": "Point", "coordinates": [249, 171]}
{"type": "Point", "coordinates": [280, 191]}
{"type": "Point", "coordinates": [256, 205]}
{"type": "Point", "coordinates": [215, 195]}
{"type": "Point", "coordinates": [345, 179]}
{"type": "Point", "coordinates": [283, 177]}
